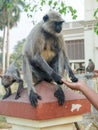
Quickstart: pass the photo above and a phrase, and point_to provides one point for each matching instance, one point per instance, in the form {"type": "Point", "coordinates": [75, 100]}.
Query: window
{"type": "Point", "coordinates": [75, 49]}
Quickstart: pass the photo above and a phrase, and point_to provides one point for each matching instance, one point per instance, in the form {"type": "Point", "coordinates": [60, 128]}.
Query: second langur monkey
{"type": "Point", "coordinates": [44, 57]}
{"type": "Point", "coordinates": [12, 75]}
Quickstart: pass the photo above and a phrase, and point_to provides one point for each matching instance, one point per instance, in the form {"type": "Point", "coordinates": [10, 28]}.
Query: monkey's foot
{"type": "Point", "coordinates": [57, 78]}
{"type": "Point", "coordinates": [59, 94]}
{"type": "Point", "coordinates": [19, 92]}
{"type": "Point", "coordinates": [6, 95]}
{"type": "Point", "coordinates": [74, 79]}
{"type": "Point", "coordinates": [17, 96]}
{"type": "Point", "coordinates": [33, 97]}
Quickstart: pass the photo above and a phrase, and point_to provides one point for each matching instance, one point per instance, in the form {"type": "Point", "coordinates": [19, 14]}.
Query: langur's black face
{"type": "Point", "coordinates": [7, 80]}
{"type": "Point", "coordinates": [58, 26]}
{"type": "Point", "coordinates": [53, 23]}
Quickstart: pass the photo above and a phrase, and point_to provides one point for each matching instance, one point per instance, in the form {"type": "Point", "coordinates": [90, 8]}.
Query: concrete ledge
{"type": "Point", "coordinates": [64, 123]}
{"type": "Point", "coordinates": [48, 107]}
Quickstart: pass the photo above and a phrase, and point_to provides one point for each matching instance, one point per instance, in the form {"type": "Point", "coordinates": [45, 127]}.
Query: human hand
{"type": "Point", "coordinates": [74, 85]}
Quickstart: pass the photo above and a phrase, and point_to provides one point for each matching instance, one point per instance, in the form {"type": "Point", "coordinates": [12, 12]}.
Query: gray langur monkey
{"type": "Point", "coordinates": [44, 57]}
{"type": "Point", "coordinates": [11, 76]}
{"type": "Point", "coordinates": [91, 66]}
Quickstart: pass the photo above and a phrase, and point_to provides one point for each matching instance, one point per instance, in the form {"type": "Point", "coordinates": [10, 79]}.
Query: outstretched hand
{"type": "Point", "coordinates": [74, 85]}
{"type": "Point", "coordinates": [85, 89]}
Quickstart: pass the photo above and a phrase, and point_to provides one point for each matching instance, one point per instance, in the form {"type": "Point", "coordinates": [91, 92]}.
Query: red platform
{"type": "Point", "coordinates": [48, 107]}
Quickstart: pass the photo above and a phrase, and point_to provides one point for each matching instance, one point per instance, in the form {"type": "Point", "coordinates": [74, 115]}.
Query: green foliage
{"type": "Point", "coordinates": [96, 28]}
{"type": "Point", "coordinates": [17, 52]}
{"type": "Point", "coordinates": [96, 13]}
{"type": "Point", "coordinates": [34, 6]}
{"type": "Point", "coordinates": [10, 12]}
{"type": "Point", "coordinates": [1, 43]}
{"type": "Point", "coordinates": [2, 118]}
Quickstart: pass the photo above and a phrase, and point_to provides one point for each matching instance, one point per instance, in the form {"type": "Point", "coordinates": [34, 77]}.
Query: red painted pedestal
{"type": "Point", "coordinates": [47, 109]}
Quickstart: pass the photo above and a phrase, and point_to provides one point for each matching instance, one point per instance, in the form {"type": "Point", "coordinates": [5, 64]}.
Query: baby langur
{"type": "Point", "coordinates": [44, 57]}
{"type": "Point", "coordinates": [11, 76]}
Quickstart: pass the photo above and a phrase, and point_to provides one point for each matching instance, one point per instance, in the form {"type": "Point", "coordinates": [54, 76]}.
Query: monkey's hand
{"type": "Point", "coordinates": [59, 94]}
{"type": "Point", "coordinates": [74, 79]}
{"type": "Point", "coordinates": [33, 97]}
{"type": "Point", "coordinates": [56, 78]}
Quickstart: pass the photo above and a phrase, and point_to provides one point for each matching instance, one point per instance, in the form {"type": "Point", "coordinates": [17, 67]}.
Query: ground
{"type": "Point", "coordinates": [4, 124]}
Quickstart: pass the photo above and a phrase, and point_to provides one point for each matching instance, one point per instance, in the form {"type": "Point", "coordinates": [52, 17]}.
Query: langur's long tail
{"type": "Point", "coordinates": [13, 64]}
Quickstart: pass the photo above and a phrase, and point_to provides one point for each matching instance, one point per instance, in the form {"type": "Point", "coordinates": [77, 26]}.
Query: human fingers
{"type": "Point", "coordinates": [71, 85]}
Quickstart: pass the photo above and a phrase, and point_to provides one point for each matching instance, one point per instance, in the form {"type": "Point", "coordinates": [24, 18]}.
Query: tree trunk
{"type": "Point", "coordinates": [3, 50]}
{"type": "Point", "coordinates": [8, 45]}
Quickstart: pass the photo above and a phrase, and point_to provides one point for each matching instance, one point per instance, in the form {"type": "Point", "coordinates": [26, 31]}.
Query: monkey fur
{"type": "Point", "coordinates": [91, 66]}
{"type": "Point", "coordinates": [11, 76]}
{"type": "Point", "coordinates": [44, 57]}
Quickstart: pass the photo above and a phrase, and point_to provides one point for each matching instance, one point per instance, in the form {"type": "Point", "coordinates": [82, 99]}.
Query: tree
{"type": "Point", "coordinates": [1, 45]}
{"type": "Point", "coordinates": [9, 16]}
{"type": "Point", "coordinates": [34, 6]}
{"type": "Point", "coordinates": [13, 17]}
{"type": "Point", "coordinates": [2, 27]}
{"type": "Point", "coordinates": [31, 7]}
{"type": "Point", "coordinates": [17, 52]}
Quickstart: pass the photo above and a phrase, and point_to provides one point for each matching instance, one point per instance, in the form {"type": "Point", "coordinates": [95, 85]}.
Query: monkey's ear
{"type": "Point", "coordinates": [45, 18]}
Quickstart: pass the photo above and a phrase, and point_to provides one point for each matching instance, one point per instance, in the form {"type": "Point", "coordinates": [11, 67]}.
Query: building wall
{"type": "Point", "coordinates": [89, 8]}
{"type": "Point", "coordinates": [90, 38]}
{"type": "Point", "coordinates": [96, 50]}
{"type": "Point", "coordinates": [85, 30]}
{"type": "Point", "coordinates": [89, 46]}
